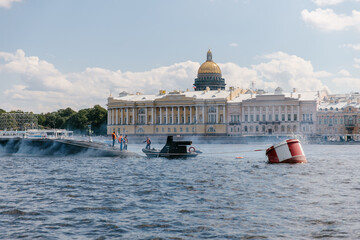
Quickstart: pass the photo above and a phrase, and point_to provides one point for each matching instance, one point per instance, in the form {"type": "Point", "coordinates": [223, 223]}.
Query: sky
{"type": "Point", "coordinates": [58, 54]}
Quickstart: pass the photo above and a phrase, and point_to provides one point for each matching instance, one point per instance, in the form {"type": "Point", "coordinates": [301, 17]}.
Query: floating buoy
{"type": "Point", "coordinates": [288, 151]}
{"type": "Point", "coordinates": [239, 157]}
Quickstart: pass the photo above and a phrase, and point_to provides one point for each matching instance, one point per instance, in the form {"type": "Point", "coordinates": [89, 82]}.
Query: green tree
{"type": "Point", "coordinates": [98, 117]}
{"type": "Point", "coordinates": [78, 121]}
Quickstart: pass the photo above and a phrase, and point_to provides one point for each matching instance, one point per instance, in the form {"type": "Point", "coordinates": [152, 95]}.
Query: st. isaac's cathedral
{"type": "Point", "coordinates": [212, 110]}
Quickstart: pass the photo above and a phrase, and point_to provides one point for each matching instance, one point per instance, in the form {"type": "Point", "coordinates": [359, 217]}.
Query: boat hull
{"type": "Point", "coordinates": [155, 153]}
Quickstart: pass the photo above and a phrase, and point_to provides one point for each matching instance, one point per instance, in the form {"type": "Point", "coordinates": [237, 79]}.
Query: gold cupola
{"type": "Point", "coordinates": [209, 66]}
{"type": "Point", "coordinates": [209, 75]}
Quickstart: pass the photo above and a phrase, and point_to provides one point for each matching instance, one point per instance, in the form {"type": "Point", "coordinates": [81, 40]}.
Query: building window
{"type": "Point", "coordinates": [212, 110]}
{"type": "Point", "coordinates": [212, 118]}
{"type": "Point", "coordinates": [257, 118]}
{"type": "Point", "coordinates": [257, 128]}
{"type": "Point", "coordinates": [282, 129]}
{"type": "Point", "coordinates": [282, 117]}
{"type": "Point", "coordinates": [157, 129]}
{"type": "Point", "coordinates": [171, 122]}
{"type": "Point", "coordinates": [263, 128]}
{"type": "Point", "coordinates": [270, 117]}
{"type": "Point", "coordinates": [181, 129]}
{"type": "Point", "coordinates": [193, 129]}
{"type": "Point", "coordinates": [289, 117]}
{"type": "Point", "coordinates": [182, 119]}
{"type": "Point", "coordinates": [245, 128]}
{"type": "Point", "coordinates": [174, 129]}
{"type": "Point", "coordinates": [188, 119]}
{"type": "Point", "coordinates": [164, 122]}
{"type": "Point", "coordinates": [295, 117]}
{"type": "Point", "coordinates": [211, 129]}
{"type": "Point", "coordinates": [177, 120]}
{"type": "Point", "coordinates": [276, 117]}
{"type": "Point", "coordinates": [264, 117]}
{"type": "Point", "coordinates": [169, 130]}
{"type": "Point", "coordinates": [141, 119]}
{"type": "Point", "coordinates": [187, 129]}
{"type": "Point", "coordinates": [162, 129]}
{"type": "Point", "coordinates": [251, 118]}
{"type": "Point", "coordinates": [246, 118]}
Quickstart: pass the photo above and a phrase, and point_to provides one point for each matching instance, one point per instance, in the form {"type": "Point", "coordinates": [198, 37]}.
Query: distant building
{"type": "Point", "coordinates": [209, 75]}
{"type": "Point", "coordinates": [272, 114]}
{"type": "Point", "coordinates": [339, 117]}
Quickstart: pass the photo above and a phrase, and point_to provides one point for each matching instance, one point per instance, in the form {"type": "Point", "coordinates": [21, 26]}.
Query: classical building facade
{"type": "Point", "coordinates": [337, 119]}
{"type": "Point", "coordinates": [185, 113]}
{"type": "Point", "coordinates": [209, 75]}
{"type": "Point", "coordinates": [272, 114]}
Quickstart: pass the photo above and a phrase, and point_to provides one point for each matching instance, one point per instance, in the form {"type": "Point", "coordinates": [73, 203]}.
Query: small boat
{"type": "Point", "coordinates": [173, 149]}
{"type": "Point", "coordinates": [288, 151]}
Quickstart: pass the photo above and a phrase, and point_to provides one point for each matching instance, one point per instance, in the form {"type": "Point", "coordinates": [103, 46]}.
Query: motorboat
{"type": "Point", "coordinates": [173, 149]}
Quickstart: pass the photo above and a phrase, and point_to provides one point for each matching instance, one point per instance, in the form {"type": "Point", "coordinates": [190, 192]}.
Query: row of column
{"type": "Point", "coordinates": [267, 111]}
{"type": "Point", "coordinates": [120, 116]}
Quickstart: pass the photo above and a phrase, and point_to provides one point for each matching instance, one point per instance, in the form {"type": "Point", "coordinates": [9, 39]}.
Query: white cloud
{"type": "Point", "coordinates": [236, 76]}
{"type": "Point", "coordinates": [233, 44]}
{"type": "Point", "coordinates": [7, 3]}
{"type": "Point", "coordinates": [353, 46]}
{"type": "Point", "coordinates": [327, 2]}
{"type": "Point", "coordinates": [356, 63]}
{"type": "Point", "coordinates": [288, 72]}
{"type": "Point", "coordinates": [43, 88]}
{"type": "Point", "coordinates": [345, 73]}
{"type": "Point", "coordinates": [38, 74]}
{"type": "Point", "coordinates": [327, 19]}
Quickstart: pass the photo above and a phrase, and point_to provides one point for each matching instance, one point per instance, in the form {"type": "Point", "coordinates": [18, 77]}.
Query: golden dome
{"type": "Point", "coordinates": [209, 66]}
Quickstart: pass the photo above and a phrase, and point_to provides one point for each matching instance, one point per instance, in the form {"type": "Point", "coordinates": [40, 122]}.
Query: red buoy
{"type": "Point", "coordinates": [288, 151]}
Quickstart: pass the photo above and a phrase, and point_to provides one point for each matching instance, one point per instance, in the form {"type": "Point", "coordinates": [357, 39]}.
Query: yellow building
{"type": "Point", "coordinates": [183, 113]}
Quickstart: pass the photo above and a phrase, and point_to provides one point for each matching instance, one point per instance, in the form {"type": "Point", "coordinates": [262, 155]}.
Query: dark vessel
{"type": "Point", "coordinates": [173, 149]}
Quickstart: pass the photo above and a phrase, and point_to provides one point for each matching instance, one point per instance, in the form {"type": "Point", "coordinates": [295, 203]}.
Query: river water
{"type": "Point", "coordinates": [213, 196]}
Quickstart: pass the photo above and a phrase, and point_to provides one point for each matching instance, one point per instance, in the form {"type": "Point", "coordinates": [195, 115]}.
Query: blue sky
{"type": "Point", "coordinates": [57, 54]}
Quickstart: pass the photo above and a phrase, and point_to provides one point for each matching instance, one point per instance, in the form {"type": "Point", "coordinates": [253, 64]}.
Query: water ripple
{"type": "Point", "coordinates": [216, 197]}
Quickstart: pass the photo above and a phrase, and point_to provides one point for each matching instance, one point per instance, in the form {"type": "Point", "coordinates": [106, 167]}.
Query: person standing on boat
{"type": "Point", "coordinates": [121, 142]}
{"type": "Point", "coordinates": [125, 142]}
{"type": "Point", "coordinates": [148, 142]}
{"type": "Point", "coordinates": [113, 138]}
